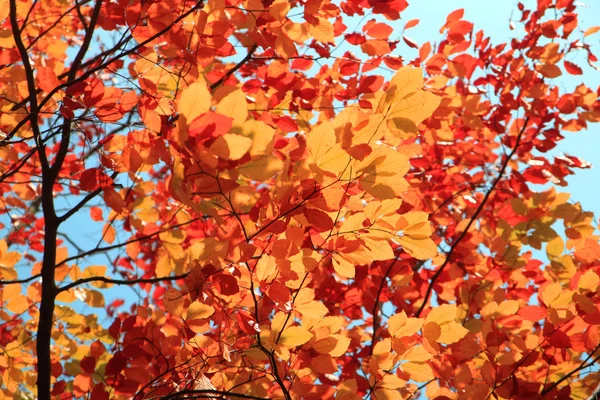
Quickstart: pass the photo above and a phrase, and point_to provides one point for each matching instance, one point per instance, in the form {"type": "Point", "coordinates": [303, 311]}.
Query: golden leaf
{"type": "Point", "coordinates": [234, 105]}
{"type": "Point", "coordinates": [198, 310]}
{"type": "Point", "coordinates": [323, 31]}
{"type": "Point", "coordinates": [294, 336]}
{"type": "Point", "coordinates": [265, 267]}
{"type": "Point", "coordinates": [342, 267]}
{"type": "Point", "coordinates": [312, 309]}
{"type": "Point", "coordinates": [421, 249]}
{"type": "Point", "coordinates": [399, 325]}
{"type": "Point", "coordinates": [194, 100]}
{"type": "Point", "coordinates": [231, 146]}
{"type": "Point", "coordinates": [418, 372]}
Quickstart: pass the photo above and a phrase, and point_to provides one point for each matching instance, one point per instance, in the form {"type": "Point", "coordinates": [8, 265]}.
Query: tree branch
{"type": "Point", "coordinates": [583, 365]}
{"type": "Point", "coordinates": [235, 68]}
{"type": "Point", "coordinates": [437, 274]}
{"type": "Point", "coordinates": [120, 281]}
{"type": "Point", "coordinates": [118, 245]}
{"type": "Point", "coordinates": [20, 281]}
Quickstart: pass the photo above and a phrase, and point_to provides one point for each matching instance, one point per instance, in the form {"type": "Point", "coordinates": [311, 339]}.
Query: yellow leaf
{"type": "Point", "coordinates": [347, 390]}
{"type": "Point", "coordinates": [198, 310]}
{"type": "Point", "coordinates": [18, 304]}
{"type": "Point", "coordinates": [381, 173]}
{"type": "Point", "coordinates": [323, 31]}
{"type": "Point", "coordinates": [392, 381]}
{"type": "Point", "coordinates": [173, 302]}
{"type": "Point", "coordinates": [109, 233]}
{"type": "Point", "coordinates": [417, 354]}
{"type": "Point", "coordinates": [591, 31]}
{"type": "Point", "coordinates": [96, 271]}
{"type": "Point", "coordinates": [405, 82]}
{"type": "Point", "coordinates": [421, 249]}
{"type": "Point", "coordinates": [414, 108]}
{"type": "Point", "coordinates": [208, 250]}
{"type": "Point", "coordinates": [234, 105]}
{"type": "Point", "coordinates": [414, 224]}
{"type": "Point", "coordinates": [380, 249]}
{"type": "Point", "coordinates": [508, 307]}
{"type": "Point", "coordinates": [164, 266]}
{"type": "Point", "coordinates": [451, 332]}
{"type": "Point", "coordinates": [342, 267]}
{"type": "Point", "coordinates": [91, 297]}
{"type": "Point", "coordinates": [341, 346]}
{"type": "Point", "coordinates": [442, 314]}
{"type": "Point", "coordinates": [294, 336]}
{"type": "Point", "coordinates": [382, 348]}
{"type": "Point", "coordinates": [173, 236]}
{"type": "Point", "coordinates": [333, 324]}
{"type": "Point", "coordinates": [231, 146]}
{"type": "Point", "coordinates": [265, 267]}
{"type": "Point", "coordinates": [589, 280]}
{"type": "Point", "coordinates": [194, 100]}
{"type": "Point", "coordinates": [555, 248]}
{"type": "Point", "coordinates": [261, 168]}
{"type": "Point", "coordinates": [261, 134]}
{"type": "Point", "coordinates": [418, 372]}
{"type": "Point", "coordinates": [399, 325]}
{"type": "Point", "coordinates": [366, 130]}
{"type": "Point", "coordinates": [279, 9]}
{"type": "Point", "coordinates": [550, 293]}
{"type": "Point", "coordinates": [7, 40]}
{"type": "Point", "coordinates": [312, 309]}
{"type": "Point", "coordinates": [278, 322]}
{"type": "Point", "coordinates": [326, 153]}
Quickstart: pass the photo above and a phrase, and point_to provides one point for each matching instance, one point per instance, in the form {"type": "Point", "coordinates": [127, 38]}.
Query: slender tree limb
{"type": "Point", "coordinates": [83, 202]}
{"type": "Point", "coordinates": [375, 311]}
{"type": "Point", "coordinates": [98, 67]}
{"type": "Point", "coordinates": [34, 107]}
{"type": "Point", "coordinates": [455, 244]}
{"type": "Point", "coordinates": [20, 281]}
{"type": "Point", "coordinates": [585, 364]}
{"type": "Point", "coordinates": [235, 68]}
{"type": "Point", "coordinates": [118, 245]}
{"type": "Point", "coordinates": [79, 282]}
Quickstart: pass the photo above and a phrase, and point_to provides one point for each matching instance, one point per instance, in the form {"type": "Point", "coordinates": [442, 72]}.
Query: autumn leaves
{"type": "Point", "coordinates": [322, 202]}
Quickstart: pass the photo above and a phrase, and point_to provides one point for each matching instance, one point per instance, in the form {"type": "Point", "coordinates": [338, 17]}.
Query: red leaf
{"type": "Point", "coordinates": [355, 38]}
{"type": "Point", "coordinates": [116, 364]}
{"type": "Point", "coordinates": [410, 42]}
{"type": "Point", "coordinates": [226, 284]}
{"type": "Point", "coordinates": [573, 69]}
{"type": "Point", "coordinates": [279, 293]}
{"type": "Point", "coordinates": [99, 393]}
{"type": "Point", "coordinates": [93, 92]}
{"type": "Point", "coordinates": [47, 79]}
{"type": "Point", "coordinates": [88, 364]}
{"type": "Point", "coordinates": [88, 180]}
{"type": "Point", "coordinates": [560, 340]}
{"type": "Point", "coordinates": [319, 220]}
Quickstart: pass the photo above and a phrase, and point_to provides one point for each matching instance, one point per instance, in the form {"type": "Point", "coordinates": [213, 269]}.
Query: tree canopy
{"type": "Point", "coordinates": [292, 199]}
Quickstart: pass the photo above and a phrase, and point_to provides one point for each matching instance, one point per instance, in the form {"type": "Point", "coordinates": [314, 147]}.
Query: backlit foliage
{"type": "Point", "coordinates": [285, 199]}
